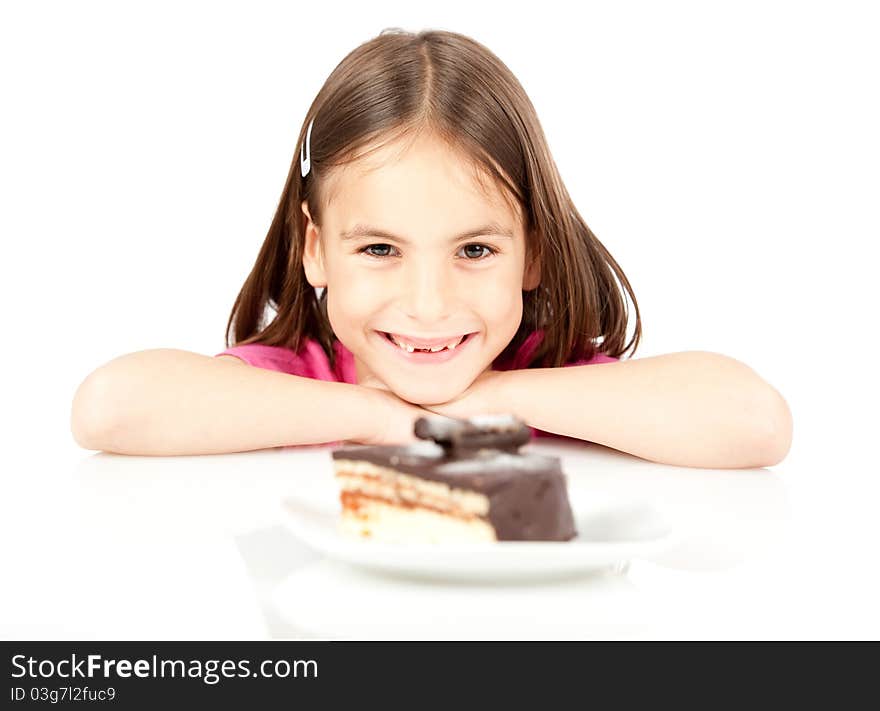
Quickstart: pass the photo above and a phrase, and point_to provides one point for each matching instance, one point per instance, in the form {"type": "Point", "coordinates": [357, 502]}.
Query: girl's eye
{"type": "Point", "coordinates": [485, 250]}
{"type": "Point", "coordinates": [373, 254]}
{"type": "Point", "coordinates": [471, 255]}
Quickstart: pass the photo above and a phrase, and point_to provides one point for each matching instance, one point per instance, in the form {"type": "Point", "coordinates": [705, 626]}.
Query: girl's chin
{"type": "Point", "coordinates": [425, 396]}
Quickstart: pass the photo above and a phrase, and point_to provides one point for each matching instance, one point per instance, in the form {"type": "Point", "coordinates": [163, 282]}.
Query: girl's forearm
{"type": "Point", "coordinates": [166, 402]}
{"type": "Point", "coordinates": [694, 408]}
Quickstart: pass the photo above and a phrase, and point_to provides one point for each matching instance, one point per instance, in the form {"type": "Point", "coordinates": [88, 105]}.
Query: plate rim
{"type": "Point", "coordinates": [411, 557]}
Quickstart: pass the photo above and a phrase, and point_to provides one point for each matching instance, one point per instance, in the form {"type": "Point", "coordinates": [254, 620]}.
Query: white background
{"type": "Point", "coordinates": [726, 154]}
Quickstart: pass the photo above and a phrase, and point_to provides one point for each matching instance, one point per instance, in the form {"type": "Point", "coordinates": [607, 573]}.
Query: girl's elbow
{"type": "Point", "coordinates": [777, 436]}
{"type": "Point", "coordinates": [91, 418]}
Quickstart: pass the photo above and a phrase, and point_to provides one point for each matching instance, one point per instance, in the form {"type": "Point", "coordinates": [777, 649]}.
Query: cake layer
{"type": "Point", "coordinates": [392, 523]}
{"type": "Point", "coordinates": [393, 486]}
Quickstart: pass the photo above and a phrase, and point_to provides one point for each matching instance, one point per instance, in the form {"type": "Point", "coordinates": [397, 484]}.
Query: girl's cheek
{"type": "Point", "coordinates": [501, 296]}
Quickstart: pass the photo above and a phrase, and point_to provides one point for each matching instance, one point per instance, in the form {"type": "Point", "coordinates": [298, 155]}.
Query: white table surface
{"type": "Point", "coordinates": [99, 546]}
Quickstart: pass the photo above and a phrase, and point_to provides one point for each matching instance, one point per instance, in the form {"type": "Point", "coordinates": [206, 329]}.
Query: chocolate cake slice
{"type": "Point", "coordinates": [466, 482]}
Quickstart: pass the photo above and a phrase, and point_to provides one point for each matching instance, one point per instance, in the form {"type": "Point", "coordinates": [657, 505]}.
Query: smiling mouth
{"type": "Point", "coordinates": [409, 348]}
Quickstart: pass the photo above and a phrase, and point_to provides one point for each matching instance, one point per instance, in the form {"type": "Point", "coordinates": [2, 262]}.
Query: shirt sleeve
{"type": "Point", "coordinates": [267, 357]}
{"type": "Point", "coordinates": [310, 362]}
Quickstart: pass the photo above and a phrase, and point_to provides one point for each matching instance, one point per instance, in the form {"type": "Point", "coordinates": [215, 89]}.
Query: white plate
{"type": "Point", "coordinates": [610, 534]}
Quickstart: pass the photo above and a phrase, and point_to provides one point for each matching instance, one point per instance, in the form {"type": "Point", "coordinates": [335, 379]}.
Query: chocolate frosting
{"type": "Point", "coordinates": [527, 492]}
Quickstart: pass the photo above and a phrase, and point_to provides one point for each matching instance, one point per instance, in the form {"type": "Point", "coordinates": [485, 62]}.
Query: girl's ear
{"type": "Point", "coordinates": [313, 254]}
{"type": "Point", "coordinates": [532, 273]}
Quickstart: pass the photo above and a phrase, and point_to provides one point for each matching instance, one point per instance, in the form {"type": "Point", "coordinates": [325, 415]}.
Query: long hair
{"type": "Point", "coordinates": [397, 84]}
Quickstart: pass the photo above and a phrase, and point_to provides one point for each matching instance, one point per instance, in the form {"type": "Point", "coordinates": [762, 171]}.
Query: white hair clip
{"type": "Point", "coordinates": [305, 153]}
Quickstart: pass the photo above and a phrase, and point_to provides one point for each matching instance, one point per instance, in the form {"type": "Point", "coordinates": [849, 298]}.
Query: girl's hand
{"type": "Point", "coordinates": [483, 397]}
{"type": "Point", "coordinates": [394, 418]}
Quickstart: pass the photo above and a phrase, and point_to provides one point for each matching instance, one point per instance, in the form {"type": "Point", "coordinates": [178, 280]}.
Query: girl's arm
{"type": "Point", "coordinates": [694, 408]}
{"type": "Point", "coordinates": [165, 402]}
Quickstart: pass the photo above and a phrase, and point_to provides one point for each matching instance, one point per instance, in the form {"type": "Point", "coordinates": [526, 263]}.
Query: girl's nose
{"type": "Point", "coordinates": [428, 294]}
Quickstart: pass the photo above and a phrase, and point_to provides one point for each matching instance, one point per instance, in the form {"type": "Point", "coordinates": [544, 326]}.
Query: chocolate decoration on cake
{"type": "Point", "coordinates": [502, 432]}
{"type": "Point", "coordinates": [465, 481]}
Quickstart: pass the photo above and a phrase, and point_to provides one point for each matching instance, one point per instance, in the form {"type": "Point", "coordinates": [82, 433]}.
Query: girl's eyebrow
{"type": "Point", "coordinates": [360, 230]}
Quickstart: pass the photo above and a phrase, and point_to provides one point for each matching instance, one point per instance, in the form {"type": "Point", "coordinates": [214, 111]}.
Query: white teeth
{"type": "Point", "coordinates": [433, 349]}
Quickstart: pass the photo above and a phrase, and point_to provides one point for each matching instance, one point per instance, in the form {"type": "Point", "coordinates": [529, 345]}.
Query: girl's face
{"type": "Point", "coordinates": [414, 245]}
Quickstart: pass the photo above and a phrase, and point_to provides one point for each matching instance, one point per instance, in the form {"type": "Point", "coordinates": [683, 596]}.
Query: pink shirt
{"type": "Point", "coordinates": [312, 362]}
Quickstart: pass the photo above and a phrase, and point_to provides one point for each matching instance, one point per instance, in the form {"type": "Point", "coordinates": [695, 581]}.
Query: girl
{"type": "Point", "coordinates": [426, 257]}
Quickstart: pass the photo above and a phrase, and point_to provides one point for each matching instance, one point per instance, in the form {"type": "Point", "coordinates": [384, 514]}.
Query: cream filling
{"type": "Point", "coordinates": [385, 523]}
{"type": "Point", "coordinates": [375, 480]}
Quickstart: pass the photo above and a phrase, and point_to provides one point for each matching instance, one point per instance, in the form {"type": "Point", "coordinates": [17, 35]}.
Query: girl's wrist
{"type": "Point", "coordinates": [371, 412]}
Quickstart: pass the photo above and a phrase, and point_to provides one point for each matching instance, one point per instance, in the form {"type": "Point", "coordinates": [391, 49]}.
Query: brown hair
{"type": "Point", "coordinates": [399, 83]}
